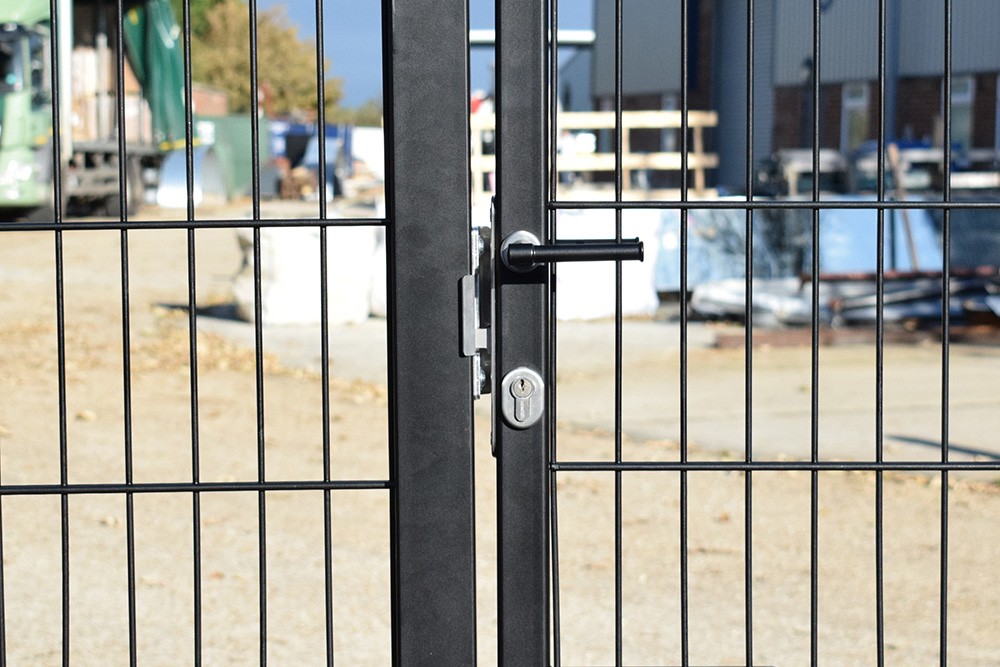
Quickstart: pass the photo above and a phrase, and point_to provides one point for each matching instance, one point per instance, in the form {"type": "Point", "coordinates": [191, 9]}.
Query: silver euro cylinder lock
{"type": "Point", "coordinates": [522, 397]}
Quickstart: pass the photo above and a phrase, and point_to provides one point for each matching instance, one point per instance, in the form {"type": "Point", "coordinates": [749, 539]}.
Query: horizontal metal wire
{"type": "Point", "coordinates": [765, 466]}
{"type": "Point", "coordinates": [809, 205]}
{"type": "Point", "coordinates": [190, 487]}
{"type": "Point", "coordinates": [117, 225]}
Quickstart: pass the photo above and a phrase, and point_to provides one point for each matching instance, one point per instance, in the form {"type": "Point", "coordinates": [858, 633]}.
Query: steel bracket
{"type": "Point", "coordinates": [476, 291]}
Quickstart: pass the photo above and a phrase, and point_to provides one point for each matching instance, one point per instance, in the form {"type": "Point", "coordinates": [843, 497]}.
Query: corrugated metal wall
{"type": "Point", "coordinates": [651, 49]}
{"type": "Point", "coordinates": [575, 82]}
{"type": "Point", "coordinates": [849, 39]}
{"type": "Point", "coordinates": [975, 32]}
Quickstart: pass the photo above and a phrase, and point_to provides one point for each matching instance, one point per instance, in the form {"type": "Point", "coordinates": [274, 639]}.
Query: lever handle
{"type": "Point", "coordinates": [522, 252]}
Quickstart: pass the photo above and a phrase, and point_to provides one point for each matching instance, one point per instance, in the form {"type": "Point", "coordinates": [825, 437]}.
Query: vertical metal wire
{"type": "Point", "coordinates": [814, 436]}
{"type": "Point", "coordinates": [120, 112]}
{"type": "Point", "coordinates": [63, 444]}
{"type": "Point", "coordinates": [880, 346]}
{"type": "Point", "coordinates": [619, 148]}
{"type": "Point", "coordinates": [258, 334]}
{"type": "Point", "coordinates": [389, 147]}
{"type": "Point", "coordinates": [685, 620]}
{"type": "Point", "coordinates": [126, 331]}
{"type": "Point", "coordinates": [321, 130]}
{"type": "Point", "coordinates": [554, 529]}
{"type": "Point", "coordinates": [619, 137]}
{"type": "Point", "coordinates": [261, 500]}
{"type": "Point", "coordinates": [945, 328]}
{"type": "Point", "coordinates": [748, 356]}
{"type": "Point", "coordinates": [129, 496]}
{"type": "Point", "coordinates": [324, 329]}
{"type": "Point", "coordinates": [57, 174]}
{"type": "Point", "coordinates": [60, 327]}
{"type": "Point", "coordinates": [553, 118]}
{"type": "Point", "coordinates": [192, 338]}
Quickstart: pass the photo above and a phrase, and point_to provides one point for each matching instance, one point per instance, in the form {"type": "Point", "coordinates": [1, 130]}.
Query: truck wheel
{"type": "Point", "coordinates": [134, 191]}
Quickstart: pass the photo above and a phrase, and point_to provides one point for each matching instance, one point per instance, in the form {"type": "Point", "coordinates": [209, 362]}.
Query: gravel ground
{"type": "Point", "coordinates": [159, 436]}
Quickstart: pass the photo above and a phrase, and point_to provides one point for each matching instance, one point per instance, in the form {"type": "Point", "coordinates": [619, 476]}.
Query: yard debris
{"type": "Point", "coordinates": [299, 183]}
{"type": "Point", "coordinates": [783, 244]}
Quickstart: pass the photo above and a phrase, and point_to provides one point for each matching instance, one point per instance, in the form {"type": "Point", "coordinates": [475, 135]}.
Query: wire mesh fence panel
{"type": "Point", "coordinates": [727, 484]}
{"type": "Point", "coordinates": [208, 454]}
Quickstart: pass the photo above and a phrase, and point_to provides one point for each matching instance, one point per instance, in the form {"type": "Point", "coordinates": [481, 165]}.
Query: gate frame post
{"type": "Point", "coordinates": [426, 102]}
{"type": "Point", "coordinates": [522, 314]}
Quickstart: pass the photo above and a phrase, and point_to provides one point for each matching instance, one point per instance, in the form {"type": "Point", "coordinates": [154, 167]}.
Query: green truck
{"type": "Point", "coordinates": [88, 104]}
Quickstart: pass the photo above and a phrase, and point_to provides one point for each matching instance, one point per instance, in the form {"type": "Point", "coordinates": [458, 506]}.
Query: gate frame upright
{"type": "Point", "coordinates": [426, 65]}
{"type": "Point", "coordinates": [522, 300]}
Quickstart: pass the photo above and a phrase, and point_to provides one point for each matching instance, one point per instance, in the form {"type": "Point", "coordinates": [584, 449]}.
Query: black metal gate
{"type": "Point", "coordinates": [428, 488]}
{"type": "Point", "coordinates": [532, 609]}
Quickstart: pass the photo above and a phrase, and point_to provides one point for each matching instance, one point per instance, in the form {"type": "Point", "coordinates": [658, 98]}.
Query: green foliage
{"type": "Point", "coordinates": [286, 65]}
{"type": "Point", "coordinates": [368, 114]}
{"type": "Point", "coordinates": [198, 8]}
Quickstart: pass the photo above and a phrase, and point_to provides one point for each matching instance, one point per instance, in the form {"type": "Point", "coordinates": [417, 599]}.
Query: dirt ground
{"type": "Point", "coordinates": [158, 432]}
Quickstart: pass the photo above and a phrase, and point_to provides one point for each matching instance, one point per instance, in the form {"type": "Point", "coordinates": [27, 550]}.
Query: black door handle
{"type": "Point", "coordinates": [521, 251]}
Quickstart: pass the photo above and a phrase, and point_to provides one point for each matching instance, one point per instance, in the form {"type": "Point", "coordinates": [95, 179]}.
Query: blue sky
{"type": "Point", "coordinates": [351, 37]}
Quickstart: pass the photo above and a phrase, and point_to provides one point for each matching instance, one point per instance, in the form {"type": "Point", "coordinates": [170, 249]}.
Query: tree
{"type": "Point", "coordinates": [198, 8]}
{"type": "Point", "coordinates": [286, 64]}
{"type": "Point", "coordinates": [368, 114]}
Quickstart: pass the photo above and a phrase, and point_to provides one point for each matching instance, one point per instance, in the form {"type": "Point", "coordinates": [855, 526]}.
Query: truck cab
{"type": "Point", "coordinates": [25, 115]}
{"type": "Point", "coordinates": [92, 117]}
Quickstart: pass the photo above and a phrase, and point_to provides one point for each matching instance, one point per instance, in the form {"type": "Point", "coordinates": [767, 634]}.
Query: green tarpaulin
{"type": "Point", "coordinates": [153, 47]}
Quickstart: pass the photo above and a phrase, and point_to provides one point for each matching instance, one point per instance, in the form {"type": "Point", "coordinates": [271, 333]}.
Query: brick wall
{"type": "Point", "coordinates": [984, 111]}
{"type": "Point", "coordinates": [918, 103]}
{"type": "Point", "coordinates": [701, 89]}
{"type": "Point", "coordinates": [787, 121]}
{"type": "Point", "coordinates": [788, 117]}
{"type": "Point", "coordinates": [830, 99]}
{"type": "Point", "coordinates": [209, 101]}
{"type": "Point", "coordinates": [873, 118]}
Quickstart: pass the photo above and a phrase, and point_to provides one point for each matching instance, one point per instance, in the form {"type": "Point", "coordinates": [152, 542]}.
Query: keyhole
{"type": "Point", "coordinates": [522, 390]}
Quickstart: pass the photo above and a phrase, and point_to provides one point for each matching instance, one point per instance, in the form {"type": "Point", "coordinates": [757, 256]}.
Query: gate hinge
{"type": "Point", "coordinates": [477, 310]}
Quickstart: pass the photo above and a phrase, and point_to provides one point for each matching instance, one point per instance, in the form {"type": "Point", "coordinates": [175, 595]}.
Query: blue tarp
{"type": "Point", "coordinates": [782, 243]}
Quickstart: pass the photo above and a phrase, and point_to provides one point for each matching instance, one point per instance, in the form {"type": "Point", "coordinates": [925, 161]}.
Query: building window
{"type": "Point", "coordinates": [962, 98]}
{"type": "Point", "coordinates": [854, 116]}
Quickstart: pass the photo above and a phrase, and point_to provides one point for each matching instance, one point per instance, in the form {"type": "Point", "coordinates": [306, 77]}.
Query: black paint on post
{"type": "Point", "coordinates": [431, 459]}
{"type": "Point", "coordinates": [522, 303]}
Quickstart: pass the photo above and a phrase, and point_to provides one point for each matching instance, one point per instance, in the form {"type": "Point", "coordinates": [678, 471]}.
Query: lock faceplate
{"type": "Point", "coordinates": [522, 397]}
{"type": "Point", "coordinates": [476, 291]}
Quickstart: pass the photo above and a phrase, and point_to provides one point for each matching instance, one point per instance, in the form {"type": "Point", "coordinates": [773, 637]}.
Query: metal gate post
{"type": "Point", "coordinates": [522, 307]}
{"type": "Point", "coordinates": [428, 199]}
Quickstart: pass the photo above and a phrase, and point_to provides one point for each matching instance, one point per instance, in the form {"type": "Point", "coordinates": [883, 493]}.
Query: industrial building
{"type": "Point", "coordinates": [783, 69]}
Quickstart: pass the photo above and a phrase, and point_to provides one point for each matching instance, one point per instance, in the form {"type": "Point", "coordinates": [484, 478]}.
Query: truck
{"type": "Point", "coordinates": [88, 47]}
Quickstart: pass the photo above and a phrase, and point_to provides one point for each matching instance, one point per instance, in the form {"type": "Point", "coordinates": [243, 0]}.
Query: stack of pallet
{"type": "Point", "coordinates": [94, 94]}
